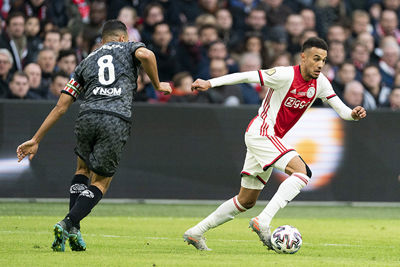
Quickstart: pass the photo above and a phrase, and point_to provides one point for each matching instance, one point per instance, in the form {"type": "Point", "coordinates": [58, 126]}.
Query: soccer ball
{"type": "Point", "coordinates": [286, 239]}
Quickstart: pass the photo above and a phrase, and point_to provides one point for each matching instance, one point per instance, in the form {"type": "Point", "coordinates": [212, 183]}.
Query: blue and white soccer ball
{"type": "Point", "coordinates": [286, 239]}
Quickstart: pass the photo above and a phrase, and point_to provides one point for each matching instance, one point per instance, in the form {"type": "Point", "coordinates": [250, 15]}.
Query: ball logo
{"type": "Point", "coordinates": [311, 92]}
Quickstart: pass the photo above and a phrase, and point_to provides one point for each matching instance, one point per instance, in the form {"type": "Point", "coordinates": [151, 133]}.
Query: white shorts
{"type": "Point", "coordinates": [263, 154]}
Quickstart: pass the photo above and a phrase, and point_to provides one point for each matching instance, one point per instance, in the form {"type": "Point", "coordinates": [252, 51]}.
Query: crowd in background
{"type": "Point", "coordinates": [42, 41]}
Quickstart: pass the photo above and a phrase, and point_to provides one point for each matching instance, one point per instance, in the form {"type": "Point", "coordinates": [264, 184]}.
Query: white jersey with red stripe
{"type": "Point", "coordinates": [288, 97]}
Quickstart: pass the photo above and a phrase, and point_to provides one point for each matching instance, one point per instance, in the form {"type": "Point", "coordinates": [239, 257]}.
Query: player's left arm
{"type": "Point", "coordinates": [31, 146]}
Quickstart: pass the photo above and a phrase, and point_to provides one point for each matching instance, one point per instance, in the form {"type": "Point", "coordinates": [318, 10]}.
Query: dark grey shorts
{"type": "Point", "coordinates": [100, 140]}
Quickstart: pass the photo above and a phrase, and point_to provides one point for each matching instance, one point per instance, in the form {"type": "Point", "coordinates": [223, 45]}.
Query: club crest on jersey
{"type": "Point", "coordinates": [270, 71]}
{"type": "Point", "coordinates": [311, 92]}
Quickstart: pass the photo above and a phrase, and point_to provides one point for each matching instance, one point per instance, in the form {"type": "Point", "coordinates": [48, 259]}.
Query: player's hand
{"type": "Point", "coordinates": [358, 113]}
{"type": "Point", "coordinates": [201, 85]}
{"type": "Point", "coordinates": [165, 88]}
{"type": "Point", "coordinates": [28, 148]}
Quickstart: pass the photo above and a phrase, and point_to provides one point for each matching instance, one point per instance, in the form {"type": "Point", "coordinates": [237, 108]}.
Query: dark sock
{"type": "Point", "coordinates": [84, 204]}
{"type": "Point", "coordinates": [78, 184]}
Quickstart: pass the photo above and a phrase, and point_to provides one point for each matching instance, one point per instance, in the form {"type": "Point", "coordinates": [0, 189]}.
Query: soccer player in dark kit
{"type": "Point", "coordinates": [107, 80]}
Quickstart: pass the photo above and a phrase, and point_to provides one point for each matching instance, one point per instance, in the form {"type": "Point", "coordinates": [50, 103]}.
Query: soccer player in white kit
{"type": "Point", "coordinates": [292, 90]}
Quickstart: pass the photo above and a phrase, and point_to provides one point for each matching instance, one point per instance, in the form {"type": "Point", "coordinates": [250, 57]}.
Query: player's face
{"type": "Point", "coordinates": [312, 61]}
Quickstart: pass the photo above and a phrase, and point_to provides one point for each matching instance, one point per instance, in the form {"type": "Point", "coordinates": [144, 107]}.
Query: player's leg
{"type": "Point", "coordinates": [250, 189]}
{"type": "Point", "coordinates": [300, 174]}
{"type": "Point", "coordinates": [80, 181]}
{"type": "Point", "coordinates": [225, 212]}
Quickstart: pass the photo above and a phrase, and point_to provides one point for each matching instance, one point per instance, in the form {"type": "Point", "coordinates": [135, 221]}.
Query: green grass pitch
{"type": "Point", "coordinates": [151, 235]}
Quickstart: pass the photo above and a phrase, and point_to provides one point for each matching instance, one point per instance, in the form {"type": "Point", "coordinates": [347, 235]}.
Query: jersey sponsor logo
{"type": "Point", "coordinates": [310, 92]}
{"type": "Point", "coordinates": [292, 102]}
{"type": "Point", "coordinates": [270, 71]}
{"type": "Point", "coordinates": [113, 91]}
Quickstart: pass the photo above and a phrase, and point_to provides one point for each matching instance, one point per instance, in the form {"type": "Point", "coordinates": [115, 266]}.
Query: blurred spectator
{"type": "Point", "coordinates": [188, 10]}
{"type": "Point", "coordinates": [254, 43]}
{"type": "Point", "coordinates": [153, 14]}
{"type": "Point", "coordinates": [67, 61]}
{"type": "Point", "coordinates": [97, 16]}
{"type": "Point", "coordinates": [19, 87]}
{"type": "Point", "coordinates": [308, 18]}
{"type": "Point", "coordinates": [208, 6]}
{"type": "Point", "coordinates": [52, 40]}
{"type": "Point", "coordinates": [345, 74]}
{"type": "Point", "coordinates": [355, 95]}
{"type": "Point", "coordinates": [256, 21]}
{"type": "Point", "coordinates": [54, 11]}
{"type": "Point", "coordinates": [336, 56]}
{"type": "Point", "coordinates": [229, 95]}
{"type": "Point", "coordinates": [15, 41]}
{"type": "Point", "coordinates": [240, 10]}
{"type": "Point", "coordinates": [388, 61]}
{"type": "Point", "coordinates": [294, 27]}
{"type": "Point", "coordinates": [6, 62]}
{"type": "Point", "coordinates": [205, 19]}
{"type": "Point", "coordinates": [66, 39]}
{"type": "Point", "coordinates": [336, 32]}
{"type": "Point", "coordinates": [58, 82]}
{"type": "Point", "coordinates": [250, 62]}
{"type": "Point", "coordinates": [47, 63]}
{"type": "Point", "coordinates": [229, 35]}
{"type": "Point", "coordinates": [216, 50]}
{"type": "Point", "coordinates": [360, 22]}
{"type": "Point", "coordinates": [307, 34]}
{"type": "Point", "coordinates": [359, 58]}
{"type": "Point", "coordinates": [277, 12]}
{"type": "Point", "coordinates": [189, 50]}
{"type": "Point", "coordinates": [372, 81]}
{"type": "Point", "coordinates": [207, 34]}
{"type": "Point", "coordinates": [277, 42]}
{"type": "Point", "coordinates": [32, 29]}
{"type": "Point", "coordinates": [35, 78]}
{"type": "Point", "coordinates": [367, 39]}
{"type": "Point", "coordinates": [145, 91]}
{"type": "Point", "coordinates": [183, 93]}
{"type": "Point", "coordinates": [394, 99]}
{"type": "Point", "coordinates": [387, 26]}
{"type": "Point", "coordinates": [129, 17]}
{"type": "Point", "coordinates": [164, 51]}
{"type": "Point", "coordinates": [283, 59]}
{"type": "Point", "coordinates": [327, 13]}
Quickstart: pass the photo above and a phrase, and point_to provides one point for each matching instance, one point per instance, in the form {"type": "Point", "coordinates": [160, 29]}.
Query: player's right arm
{"type": "Point", "coordinates": [149, 63]}
{"type": "Point", "coordinates": [273, 78]}
{"type": "Point", "coordinates": [30, 147]}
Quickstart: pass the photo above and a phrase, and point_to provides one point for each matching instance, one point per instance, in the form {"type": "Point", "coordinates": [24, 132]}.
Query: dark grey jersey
{"type": "Point", "coordinates": [107, 79]}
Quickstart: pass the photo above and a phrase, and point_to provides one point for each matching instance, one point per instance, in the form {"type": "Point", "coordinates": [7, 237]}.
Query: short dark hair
{"type": "Point", "coordinates": [66, 53]}
{"type": "Point", "coordinates": [110, 27]}
{"type": "Point", "coordinates": [14, 15]}
{"type": "Point", "coordinates": [59, 73]}
{"type": "Point", "coordinates": [314, 42]}
{"type": "Point", "coordinates": [19, 73]}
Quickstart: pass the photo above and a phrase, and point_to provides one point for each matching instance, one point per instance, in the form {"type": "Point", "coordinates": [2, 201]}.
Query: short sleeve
{"type": "Point", "coordinates": [277, 77]}
{"type": "Point", "coordinates": [325, 90]}
{"type": "Point", "coordinates": [135, 46]}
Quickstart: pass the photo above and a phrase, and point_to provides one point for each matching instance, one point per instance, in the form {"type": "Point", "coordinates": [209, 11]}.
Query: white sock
{"type": "Point", "coordinates": [225, 212]}
{"type": "Point", "coordinates": [287, 191]}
